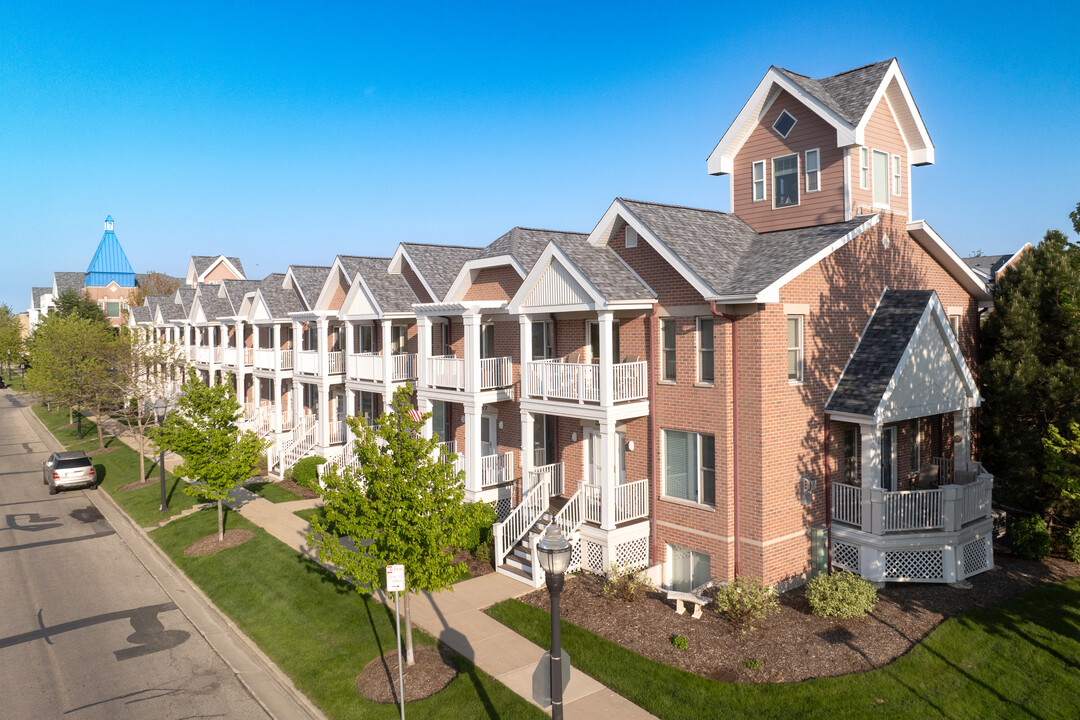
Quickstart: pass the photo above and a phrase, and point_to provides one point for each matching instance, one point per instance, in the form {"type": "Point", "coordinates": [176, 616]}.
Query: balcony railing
{"type": "Point", "coordinates": [202, 355]}
{"type": "Point", "coordinates": [307, 362]}
{"type": "Point", "coordinates": [580, 382]}
{"type": "Point", "coordinates": [286, 419]}
{"type": "Point", "coordinates": [366, 366]}
{"type": "Point", "coordinates": [554, 474]}
{"type": "Point", "coordinates": [337, 432]}
{"type": "Point", "coordinates": [448, 451]}
{"type": "Point", "coordinates": [264, 358]}
{"type": "Point", "coordinates": [248, 353]}
{"type": "Point", "coordinates": [592, 498]}
{"type": "Point", "coordinates": [337, 362]}
{"type": "Point", "coordinates": [496, 469]}
{"type": "Point", "coordinates": [404, 367]}
{"type": "Point", "coordinates": [631, 501]}
{"type": "Point", "coordinates": [946, 508]}
{"type": "Point", "coordinates": [287, 359]}
{"type": "Point", "coordinates": [496, 373]}
{"type": "Point", "coordinates": [446, 371]}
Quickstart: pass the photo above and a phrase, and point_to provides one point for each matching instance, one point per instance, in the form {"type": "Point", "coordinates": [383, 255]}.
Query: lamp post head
{"type": "Point", "coordinates": [160, 409]}
{"type": "Point", "coordinates": [553, 551]}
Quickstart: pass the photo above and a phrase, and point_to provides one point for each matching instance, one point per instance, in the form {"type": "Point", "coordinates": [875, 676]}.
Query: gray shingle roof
{"type": "Point", "coordinates": [849, 93]}
{"type": "Point", "coordinates": [603, 268]}
{"type": "Point", "coordinates": [988, 265]}
{"type": "Point", "coordinates": [141, 314]}
{"type": "Point", "coordinates": [235, 290]}
{"type": "Point", "coordinates": [726, 253]}
{"type": "Point", "coordinates": [281, 301]}
{"type": "Point", "coordinates": [203, 262]}
{"type": "Point", "coordinates": [35, 296]}
{"type": "Point", "coordinates": [866, 377]}
{"type": "Point", "coordinates": [69, 280]}
{"type": "Point", "coordinates": [439, 264]}
{"type": "Point", "coordinates": [187, 294]}
{"type": "Point", "coordinates": [213, 307]}
{"type": "Point", "coordinates": [524, 244]}
{"type": "Point", "coordinates": [172, 310]}
{"type": "Point", "coordinates": [310, 279]}
{"type": "Point", "coordinates": [391, 291]}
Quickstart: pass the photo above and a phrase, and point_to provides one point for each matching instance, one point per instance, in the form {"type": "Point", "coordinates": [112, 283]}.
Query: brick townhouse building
{"type": "Point", "coordinates": [696, 391]}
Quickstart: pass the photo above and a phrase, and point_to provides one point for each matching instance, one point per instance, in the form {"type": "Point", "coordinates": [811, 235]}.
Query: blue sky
{"type": "Point", "coordinates": [289, 133]}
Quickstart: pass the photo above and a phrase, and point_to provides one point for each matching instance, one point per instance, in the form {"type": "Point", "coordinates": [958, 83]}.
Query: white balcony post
{"type": "Point", "coordinates": [525, 331]}
{"type": "Point", "coordinates": [323, 412]}
{"type": "Point", "coordinates": [472, 452]}
{"type": "Point", "coordinates": [870, 466]}
{"type": "Point", "coordinates": [962, 427]}
{"type": "Point", "coordinates": [952, 500]}
{"type": "Point", "coordinates": [471, 324]}
{"type": "Point", "coordinates": [609, 449]}
{"type": "Point", "coordinates": [322, 332]}
{"type": "Point", "coordinates": [423, 405]}
{"type": "Point", "coordinates": [526, 448]}
{"type": "Point", "coordinates": [278, 405]}
{"type": "Point", "coordinates": [388, 366]}
{"type": "Point", "coordinates": [423, 351]}
{"type": "Point", "coordinates": [257, 392]}
{"type": "Point", "coordinates": [607, 370]}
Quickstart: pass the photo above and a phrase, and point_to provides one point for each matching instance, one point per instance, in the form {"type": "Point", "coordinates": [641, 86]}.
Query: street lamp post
{"type": "Point", "coordinates": [9, 367]}
{"type": "Point", "coordinates": [161, 408]}
{"type": "Point", "coordinates": [553, 552]}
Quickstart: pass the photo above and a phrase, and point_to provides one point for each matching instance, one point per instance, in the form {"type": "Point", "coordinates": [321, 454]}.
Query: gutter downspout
{"type": "Point", "coordinates": [828, 500]}
{"type": "Point", "coordinates": [734, 430]}
{"type": "Point", "coordinates": [652, 434]}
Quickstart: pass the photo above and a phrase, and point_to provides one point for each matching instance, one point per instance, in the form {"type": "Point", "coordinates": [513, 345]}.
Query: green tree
{"type": "Point", "coordinates": [203, 431]}
{"type": "Point", "coordinates": [153, 283]}
{"type": "Point", "coordinates": [1063, 472]}
{"type": "Point", "coordinates": [79, 304]}
{"type": "Point", "coordinates": [406, 509]}
{"type": "Point", "coordinates": [1030, 369]}
{"type": "Point", "coordinates": [11, 343]}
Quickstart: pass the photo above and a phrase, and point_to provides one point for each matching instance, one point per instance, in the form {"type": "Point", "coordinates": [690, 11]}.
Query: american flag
{"type": "Point", "coordinates": [416, 415]}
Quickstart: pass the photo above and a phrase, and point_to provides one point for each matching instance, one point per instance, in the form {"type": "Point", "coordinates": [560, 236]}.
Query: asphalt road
{"type": "Point", "coordinates": [85, 630]}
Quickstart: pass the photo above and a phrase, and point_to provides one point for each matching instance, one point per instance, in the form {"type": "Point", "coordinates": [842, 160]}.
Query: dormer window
{"type": "Point", "coordinates": [784, 123]}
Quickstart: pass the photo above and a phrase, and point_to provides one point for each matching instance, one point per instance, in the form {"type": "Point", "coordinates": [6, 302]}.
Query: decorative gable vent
{"type": "Point", "coordinates": [784, 123]}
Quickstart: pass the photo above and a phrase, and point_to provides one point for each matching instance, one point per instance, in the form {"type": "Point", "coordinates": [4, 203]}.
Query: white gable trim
{"type": "Point", "coordinates": [401, 255]}
{"type": "Point", "coordinates": [465, 277]}
{"type": "Point", "coordinates": [722, 159]}
{"type": "Point", "coordinates": [940, 251]}
{"type": "Point", "coordinates": [553, 255]}
{"type": "Point", "coordinates": [605, 230]}
{"type": "Point", "coordinates": [895, 90]}
{"type": "Point", "coordinates": [331, 280]}
{"type": "Point", "coordinates": [258, 310]}
{"type": "Point", "coordinates": [360, 288]}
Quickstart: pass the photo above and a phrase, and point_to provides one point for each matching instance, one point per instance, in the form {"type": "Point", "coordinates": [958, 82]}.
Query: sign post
{"type": "Point", "coordinates": [395, 583]}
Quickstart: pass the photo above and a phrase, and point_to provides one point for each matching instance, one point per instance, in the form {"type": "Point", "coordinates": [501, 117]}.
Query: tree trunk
{"type": "Point", "coordinates": [410, 658]}
{"type": "Point", "coordinates": [100, 434]}
{"type": "Point", "coordinates": [220, 520]}
{"type": "Point", "coordinates": [71, 415]}
{"type": "Point", "coordinates": [142, 455]}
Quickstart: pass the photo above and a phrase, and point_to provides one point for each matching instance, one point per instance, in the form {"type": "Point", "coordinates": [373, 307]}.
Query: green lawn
{"type": "Point", "coordinates": [121, 467]}
{"type": "Point", "coordinates": [319, 630]}
{"type": "Point", "coordinates": [1020, 659]}
{"type": "Point", "coordinates": [273, 492]}
{"type": "Point", "coordinates": [311, 512]}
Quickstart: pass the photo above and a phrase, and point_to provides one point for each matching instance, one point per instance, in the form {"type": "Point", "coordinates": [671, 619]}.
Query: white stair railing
{"type": "Point", "coordinates": [554, 473]}
{"type": "Point", "coordinates": [520, 520]}
{"type": "Point", "coordinates": [303, 440]}
{"type": "Point", "coordinates": [496, 469]}
{"type": "Point", "coordinates": [631, 500]}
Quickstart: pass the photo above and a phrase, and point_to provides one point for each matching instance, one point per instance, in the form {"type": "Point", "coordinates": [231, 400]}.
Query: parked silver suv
{"type": "Point", "coordinates": [66, 469]}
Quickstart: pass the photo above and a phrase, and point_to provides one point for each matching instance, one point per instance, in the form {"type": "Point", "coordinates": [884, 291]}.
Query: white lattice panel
{"type": "Point", "coordinates": [575, 557]}
{"type": "Point", "coordinates": [846, 556]}
{"type": "Point", "coordinates": [975, 557]}
{"type": "Point", "coordinates": [915, 565]}
{"type": "Point", "coordinates": [594, 558]}
{"type": "Point", "coordinates": [633, 553]}
{"type": "Point", "coordinates": [503, 507]}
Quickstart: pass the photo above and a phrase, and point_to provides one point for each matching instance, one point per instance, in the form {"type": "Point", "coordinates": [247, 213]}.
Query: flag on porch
{"type": "Point", "coordinates": [416, 415]}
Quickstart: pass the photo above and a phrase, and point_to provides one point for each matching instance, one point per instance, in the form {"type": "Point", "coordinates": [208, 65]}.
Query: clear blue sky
{"type": "Point", "coordinates": [291, 133]}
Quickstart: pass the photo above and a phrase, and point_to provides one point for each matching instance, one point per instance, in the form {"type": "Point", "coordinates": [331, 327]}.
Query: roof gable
{"type": "Point", "coordinates": [436, 266]}
{"type": "Point", "coordinates": [109, 263]}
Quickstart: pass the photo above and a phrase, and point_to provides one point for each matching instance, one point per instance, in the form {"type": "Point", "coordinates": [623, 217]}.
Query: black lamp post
{"type": "Point", "coordinates": [9, 367]}
{"type": "Point", "coordinates": [553, 552]}
{"type": "Point", "coordinates": [161, 409]}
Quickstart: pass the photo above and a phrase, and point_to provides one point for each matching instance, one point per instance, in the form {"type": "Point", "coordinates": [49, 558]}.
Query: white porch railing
{"type": "Point", "coordinates": [580, 382]}
{"type": "Point", "coordinates": [847, 503]}
{"type": "Point", "coordinates": [366, 366]}
{"type": "Point", "coordinates": [570, 517]}
{"type": "Point", "coordinates": [947, 508]}
{"type": "Point", "coordinates": [496, 469]}
{"type": "Point", "coordinates": [337, 432]}
{"type": "Point", "coordinates": [554, 474]}
{"type": "Point", "coordinates": [202, 355]}
{"type": "Point", "coordinates": [914, 510]}
{"type": "Point", "coordinates": [448, 450]}
{"type": "Point", "coordinates": [264, 358]}
{"type": "Point", "coordinates": [337, 362]}
{"type": "Point", "coordinates": [446, 371]}
{"type": "Point", "coordinates": [631, 500]}
{"type": "Point", "coordinates": [496, 373]}
{"type": "Point", "coordinates": [249, 410]}
{"type": "Point", "coordinates": [975, 502]}
{"type": "Point", "coordinates": [630, 381]}
{"type": "Point", "coordinates": [247, 356]}
{"type": "Point", "coordinates": [303, 440]}
{"type": "Point", "coordinates": [404, 367]}
{"type": "Point", "coordinates": [217, 354]}
{"type": "Point", "coordinates": [520, 520]}
{"type": "Point", "coordinates": [307, 361]}
{"type": "Point", "coordinates": [592, 498]}
{"type": "Point", "coordinates": [286, 359]}
{"type": "Point", "coordinates": [286, 420]}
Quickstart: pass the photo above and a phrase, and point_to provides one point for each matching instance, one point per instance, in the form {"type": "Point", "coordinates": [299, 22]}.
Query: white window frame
{"type": "Point", "coordinates": [889, 483]}
{"type": "Point", "coordinates": [794, 122]}
{"type": "Point", "coordinates": [669, 565]}
{"type": "Point", "coordinates": [916, 445]}
{"type": "Point", "coordinates": [798, 187]}
{"type": "Point", "coordinates": [864, 168]}
{"type": "Point", "coordinates": [812, 171]}
{"type": "Point", "coordinates": [797, 348]}
{"type": "Point", "coordinates": [954, 323]}
{"type": "Point", "coordinates": [757, 184]}
{"type": "Point", "coordinates": [664, 350]}
{"type": "Point", "coordinates": [546, 351]}
{"type": "Point", "coordinates": [896, 175]}
{"type": "Point", "coordinates": [887, 178]}
{"type": "Point", "coordinates": [631, 238]}
{"type": "Point", "coordinates": [699, 469]}
{"type": "Point", "coordinates": [701, 350]}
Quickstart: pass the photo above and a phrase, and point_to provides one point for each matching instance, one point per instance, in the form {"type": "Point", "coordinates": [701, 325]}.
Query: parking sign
{"type": "Point", "coordinates": [395, 578]}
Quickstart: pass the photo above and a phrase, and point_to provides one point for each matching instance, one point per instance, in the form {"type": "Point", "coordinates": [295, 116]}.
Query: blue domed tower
{"type": "Point", "coordinates": [110, 264]}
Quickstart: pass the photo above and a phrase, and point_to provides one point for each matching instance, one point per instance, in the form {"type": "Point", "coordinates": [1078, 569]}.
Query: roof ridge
{"type": "Point", "coordinates": [441, 245]}
{"type": "Point", "coordinates": [548, 230]}
{"type": "Point", "coordinates": [673, 205]}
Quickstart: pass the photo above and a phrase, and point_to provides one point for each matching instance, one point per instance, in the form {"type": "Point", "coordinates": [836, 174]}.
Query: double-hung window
{"type": "Point", "coordinates": [668, 331]}
{"type": "Point", "coordinates": [541, 341]}
{"type": "Point", "coordinates": [795, 348]}
{"type": "Point", "coordinates": [896, 175]}
{"type": "Point", "coordinates": [365, 339]}
{"type": "Point", "coordinates": [758, 172]}
{"type": "Point", "coordinates": [881, 178]}
{"type": "Point", "coordinates": [112, 309]}
{"type": "Point", "coordinates": [690, 466]}
{"type": "Point", "coordinates": [864, 168]}
{"type": "Point", "coordinates": [785, 180]}
{"type": "Point", "coordinates": [813, 170]}
{"type": "Point", "coordinates": [705, 350]}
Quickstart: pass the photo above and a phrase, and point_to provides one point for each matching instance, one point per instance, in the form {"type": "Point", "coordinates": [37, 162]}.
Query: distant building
{"type": "Point", "coordinates": [990, 268]}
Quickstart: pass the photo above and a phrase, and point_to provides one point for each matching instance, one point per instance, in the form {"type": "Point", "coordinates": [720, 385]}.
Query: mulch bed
{"type": "Point", "coordinates": [210, 543]}
{"type": "Point", "coordinates": [95, 453]}
{"type": "Point", "coordinates": [433, 670]}
{"type": "Point", "coordinates": [139, 484]}
{"type": "Point", "coordinates": [291, 486]}
{"type": "Point", "coordinates": [476, 568]}
{"type": "Point", "coordinates": [794, 644]}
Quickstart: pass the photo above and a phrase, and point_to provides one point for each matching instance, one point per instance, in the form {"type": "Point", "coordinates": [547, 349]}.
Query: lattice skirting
{"type": "Point", "coordinates": [503, 507]}
{"type": "Point", "coordinates": [594, 558]}
{"type": "Point", "coordinates": [575, 556]}
{"type": "Point", "coordinates": [846, 556]}
{"type": "Point", "coordinates": [915, 565]}
{"type": "Point", "coordinates": [633, 553]}
{"type": "Point", "coordinates": [976, 556]}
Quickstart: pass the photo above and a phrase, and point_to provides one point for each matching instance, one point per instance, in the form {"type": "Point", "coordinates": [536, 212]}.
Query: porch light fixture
{"type": "Point", "coordinates": [553, 551]}
{"type": "Point", "coordinates": [161, 409]}
{"type": "Point", "coordinates": [629, 446]}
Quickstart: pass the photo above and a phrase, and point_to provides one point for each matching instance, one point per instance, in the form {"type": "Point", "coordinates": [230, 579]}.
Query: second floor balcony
{"type": "Point", "coordinates": [271, 359]}
{"type": "Point", "coordinates": [578, 382]}
{"type": "Point", "coordinates": [371, 367]}
{"type": "Point", "coordinates": [449, 372]}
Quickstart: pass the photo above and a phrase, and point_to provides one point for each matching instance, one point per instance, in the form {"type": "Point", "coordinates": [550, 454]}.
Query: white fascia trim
{"type": "Point", "coordinates": [463, 281]}
{"type": "Point", "coordinates": [851, 418]}
{"type": "Point", "coordinates": [438, 308]}
{"type": "Point", "coordinates": [940, 251]}
{"type": "Point", "coordinates": [920, 152]}
{"type": "Point", "coordinates": [327, 283]}
{"type": "Point", "coordinates": [360, 285]}
{"type": "Point", "coordinates": [401, 254]}
{"type": "Point", "coordinates": [603, 231]}
{"type": "Point", "coordinates": [856, 349]}
{"type": "Point", "coordinates": [722, 159]}
{"type": "Point", "coordinates": [553, 253]}
{"type": "Point", "coordinates": [217, 261]}
{"type": "Point", "coordinates": [772, 292]}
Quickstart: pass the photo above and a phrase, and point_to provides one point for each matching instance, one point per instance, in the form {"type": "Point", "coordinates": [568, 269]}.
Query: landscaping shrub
{"type": "Point", "coordinates": [746, 601]}
{"type": "Point", "coordinates": [485, 551]}
{"type": "Point", "coordinates": [478, 531]}
{"type": "Point", "coordinates": [681, 642]}
{"type": "Point", "coordinates": [842, 594]}
{"type": "Point", "coordinates": [1031, 538]}
{"type": "Point", "coordinates": [624, 583]}
{"type": "Point", "coordinates": [306, 474]}
{"type": "Point", "coordinates": [1072, 544]}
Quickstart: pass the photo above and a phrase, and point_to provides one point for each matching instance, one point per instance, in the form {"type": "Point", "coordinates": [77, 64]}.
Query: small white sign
{"type": "Point", "coordinates": [395, 578]}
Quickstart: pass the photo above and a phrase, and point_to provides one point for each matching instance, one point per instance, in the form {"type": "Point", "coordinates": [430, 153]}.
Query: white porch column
{"type": "Point", "coordinates": [323, 334]}
{"type": "Point", "coordinates": [609, 449]}
{"type": "Point", "coordinates": [607, 370]}
{"type": "Point", "coordinates": [423, 405]}
{"type": "Point", "coordinates": [870, 473]}
{"type": "Point", "coordinates": [256, 390]}
{"type": "Point", "coordinates": [472, 451]}
{"type": "Point", "coordinates": [423, 352]}
{"type": "Point", "coordinates": [388, 367]}
{"type": "Point", "coordinates": [527, 432]}
{"type": "Point", "coordinates": [279, 406]}
{"type": "Point", "coordinates": [275, 344]}
{"type": "Point", "coordinates": [323, 410]}
{"type": "Point", "coordinates": [962, 427]}
{"type": "Point", "coordinates": [471, 324]}
{"type": "Point", "coordinates": [525, 333]}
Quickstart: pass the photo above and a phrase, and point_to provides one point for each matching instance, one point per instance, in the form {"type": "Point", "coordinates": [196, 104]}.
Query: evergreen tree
{"type": "Point", "coordinates": [11, 343]}
{"type": "Point", "coordinates": [71, 302]}
{"type": "Point", "coordinates": [408, 504]}
{"type": "Point", "coordinates": [1030, 369]}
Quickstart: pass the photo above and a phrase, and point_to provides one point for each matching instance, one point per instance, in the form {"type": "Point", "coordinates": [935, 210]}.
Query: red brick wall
{"type": "Point", "coordinates": [496, 283]}
{"type": "Point", "coordinates": [418, 288]}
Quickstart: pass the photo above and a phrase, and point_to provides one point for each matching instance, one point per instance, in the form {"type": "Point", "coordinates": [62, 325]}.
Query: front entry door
{"type": "Point", "coordinates": [593, 471]}
{"type": "Point", "coordinates": [489, 429]}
